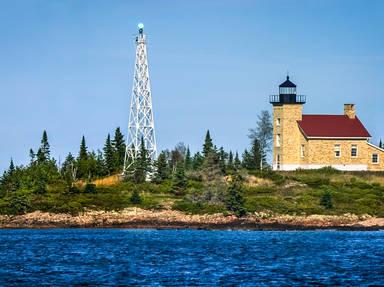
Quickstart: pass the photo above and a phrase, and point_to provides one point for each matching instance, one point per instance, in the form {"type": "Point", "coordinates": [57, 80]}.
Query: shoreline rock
{"type": "Point", "coordinates": [169, 219]}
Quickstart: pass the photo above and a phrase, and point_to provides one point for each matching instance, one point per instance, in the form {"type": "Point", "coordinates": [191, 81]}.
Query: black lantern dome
{"type": "Point", "coordinates": [287, 94]}
{"type": "Point", "coordinates": [287, 88]}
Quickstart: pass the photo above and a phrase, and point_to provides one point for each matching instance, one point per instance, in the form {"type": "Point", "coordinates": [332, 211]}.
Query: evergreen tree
{"type": "Point", "coordinates": [100, 164]}
{"type": "Point", "coordinates": [326, 200]}
{"type": "Point", "coordinates": [135, 197]}
{"type": "Point", "coordinates": [119, 149]}
{"type": "Point", "coordinates": [44, 148]}
{"type": "Point", "coordinates": [109, 155]}
{"type": "Point", "coordinates": [32, 157]}
{"type": "Point", "coordinates": [223, 160]}
{"type": "Point", "coordinates": [82, 160]}
{"type": "Point", "coordinates": [83, 153]}
{"type": "Point", "coordinates": [197, 161]}
{"type": "Point", "coordinates": [234, 199]}
{"type": "Point", "coordinates": [208, 145]}
{"type": "Point", "coordinates": [161, 168]}
{"type": "Point", "coordinates": [69, 169]}
{"type": "Point", "coordinates": [237, 162]}
{"type": "Point", "coordinates": [214, 184]}
{"type": "Point", "coordinates": [252, 160]}
{"type": "Point", "coordinates": [247, 160]}
{"type": "Point", "coordinates": [179, 180]}
{"type": "Point", "coordinates": [230, 160]}
{"type": "Point", "coordinates": [263, 133]}
{"type": "Point", "coordinates": [188, 160]}
{"type": "Point", "coordinates": [381, 145]}
{"type": "Point", "coordinates": [11, 169]}
{"type": "Point", "coordinates": [141, 166]}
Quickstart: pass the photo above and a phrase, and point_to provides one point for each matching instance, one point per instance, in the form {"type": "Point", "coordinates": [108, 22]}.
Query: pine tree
{"type": "Point", "coordinates": [82, 161]}
{"type": "Point", "coordinates": [83, 153]}
{"type": "Point", "coordinates": [141, 166]}
{"type": "Point", "coordinates": [100, 163]}
{"type": "Point", "coordinates": [69, 169]}
{"type": "Point", "coordinates": [381, 145]}
{"type": "Point", "coordinates": [45, 148]}
{"type": "Point", "coordinates": [188, 159]}
{"type": "Point", "coordinates": [252, 159]}
{"type": "Point", "coordinates": [32, 157]}
{"type": "Point", "coordinates": [179, 180]}
{"type": "Point", "coordinates": [109, 155]}
{"type": "Point", "coordinates": [119, 149]}
{"type": "Point", "coordinates": [247, 160]}
{"type": "Point", "coordinates": [234, 199]}
{"type": "Point", "coordinates": [326, 200]}
{"type": "Point", "coordinates": [11, 169]}
{"type": "Point", "coordinates": [223, 160]}
{"type": "Point", "coordinates": [135, 197]}
{"type": "Point", "coordinates": [208, 145]}
{"type": "Point", "coordinates": [214, 184]}
{"type": "Point", "coordinates": [197, 161]}
{"type": "Point", "coordinates": [43, 153]}
{"type": "Point", "coordinates": [237, 162]}
{"type": "Point", "coordinates": [162, 170]}
{"type": "Point", "coordinates": [230, 160]}
{"type": "Point", "coordinates": [263, 133]}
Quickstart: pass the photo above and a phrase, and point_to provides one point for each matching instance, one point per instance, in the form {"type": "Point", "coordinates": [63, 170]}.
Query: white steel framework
{"type": "Point", "coordinates": [141, 123]}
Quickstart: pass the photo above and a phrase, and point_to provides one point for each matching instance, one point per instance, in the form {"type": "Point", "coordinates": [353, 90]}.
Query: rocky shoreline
{"type": "Point", "coordinates": [170, 219]}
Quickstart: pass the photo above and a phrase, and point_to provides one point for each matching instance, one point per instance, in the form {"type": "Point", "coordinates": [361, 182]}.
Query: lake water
{"type": "Point", "coordinates": [109, 257]}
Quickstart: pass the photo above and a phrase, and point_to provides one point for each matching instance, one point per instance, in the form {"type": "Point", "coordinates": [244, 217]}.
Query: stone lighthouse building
{"type": "Point", "coordinates": [316, 141]}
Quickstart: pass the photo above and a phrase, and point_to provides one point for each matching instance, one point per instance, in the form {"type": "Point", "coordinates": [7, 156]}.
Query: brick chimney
{"type": "Point", "coordinates": [349, 110]}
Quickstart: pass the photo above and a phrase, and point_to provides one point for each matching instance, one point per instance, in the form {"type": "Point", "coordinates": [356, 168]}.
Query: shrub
{"type": "Point", "coordinates": [90, 188]}
{"type": "Point", "coordinates": [326, 200]}
{"type": "Point", "coordinates": [135, 197]}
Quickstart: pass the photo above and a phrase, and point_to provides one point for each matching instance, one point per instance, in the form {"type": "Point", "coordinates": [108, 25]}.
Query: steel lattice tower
{"type": "Point", "coordinates": [141, 124]}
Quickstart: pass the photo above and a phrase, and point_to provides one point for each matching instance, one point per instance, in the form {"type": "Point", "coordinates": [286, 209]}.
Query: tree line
{"type": "Point", "coordinates": [174, 168]}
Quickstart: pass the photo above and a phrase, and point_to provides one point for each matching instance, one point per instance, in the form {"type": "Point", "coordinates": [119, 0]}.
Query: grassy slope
{"type": "Point", "coordinates": [296, 192]}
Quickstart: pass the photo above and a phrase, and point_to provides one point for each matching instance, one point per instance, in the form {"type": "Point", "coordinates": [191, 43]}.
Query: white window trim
{"type": "Point", "coordinates": [302, 150]}
{"type": "Point", "coordinates": [278, 140]}
{"type": "Point", "coordinates": [357, 151]}
{"type": "Point", "coordinates": [378, 158]}
{"type": "Point", "coordinates": [278, 122]}
{"type": "Point", "coordinates": [339, 150]}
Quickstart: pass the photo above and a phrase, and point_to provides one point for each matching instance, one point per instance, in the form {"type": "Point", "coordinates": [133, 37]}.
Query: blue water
{"type": "Point", "coordinates": [109, 257]}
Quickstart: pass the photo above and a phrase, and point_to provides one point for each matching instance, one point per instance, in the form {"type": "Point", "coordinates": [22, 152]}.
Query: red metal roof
{"type": "Point", "coordinates": [332, 126]}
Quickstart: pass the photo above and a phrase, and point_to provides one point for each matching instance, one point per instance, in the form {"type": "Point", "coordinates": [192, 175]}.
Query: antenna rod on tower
{"type": "Point", "coordinates": [141, 124]}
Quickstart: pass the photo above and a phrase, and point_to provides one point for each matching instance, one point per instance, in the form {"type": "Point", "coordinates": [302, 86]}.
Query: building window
{"type": "Point", "coordinates": [278, 122]}
{"type": "Point", "coordinates": [278, 161]}
{"type": "Point", "coordinates": [302, 151]}
{"type": "Point", "coordinates": [337, 150]}
{"type": "Point", "coordinates": [354, 150]}
{"type": "Point", "coordinates": [375, 158]}
{"type": "Point", "coordinates": [278, 140]}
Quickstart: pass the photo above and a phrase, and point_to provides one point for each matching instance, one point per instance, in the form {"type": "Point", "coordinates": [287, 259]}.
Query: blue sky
{"type": "Point", "coordinates": [66, 66]}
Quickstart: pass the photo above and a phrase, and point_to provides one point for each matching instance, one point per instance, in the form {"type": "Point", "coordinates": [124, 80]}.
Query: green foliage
{"type": "Point", "coordinates": [326, 200]}
{"type": "Point", "coordinates": [140, 167]}
{"type": "Point", "coordinates": [179, 180]}
{"type": "Point", "coordinates": [162, 171]}
{"type": "Point", "coordinates": [263, 133]}
{"type": "Point", "coordinates": [255, 158]}
{"type": "Point", "coordinates": [109, 155]}
{"type": "Point", "coordinates": [119, 150]}
{"type": "Point", "coordinates": [208, 145]}
{"type": "Point", "coordinates": [234, 199]}
{"type": "Point", "coordinates": [135, 198]}
{"type": "Point", "coordinates": [90, 188]}
{"type": "Point", "coordinates": [195, 184]}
